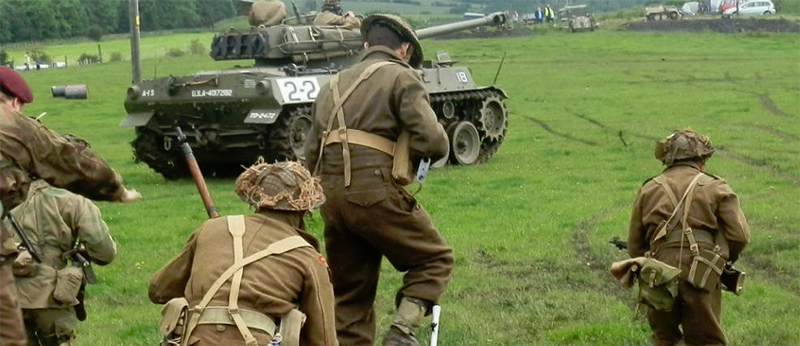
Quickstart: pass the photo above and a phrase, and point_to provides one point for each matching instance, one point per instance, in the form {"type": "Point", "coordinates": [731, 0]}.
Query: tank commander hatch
{"type": "Point", "coordinates": [332, 15]}
{"type": "Point", "coordinates": [266, 12]}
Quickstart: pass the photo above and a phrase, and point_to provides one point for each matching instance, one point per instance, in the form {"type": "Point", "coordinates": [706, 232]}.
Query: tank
{"type": "Point", "coordinates": [232, 117]}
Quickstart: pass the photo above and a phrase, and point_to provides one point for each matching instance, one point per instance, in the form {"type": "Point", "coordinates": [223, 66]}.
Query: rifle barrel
{"type": "Point", "coordinates": [24, 237]}
{"type": "Point", "coordinates": [197, 175]}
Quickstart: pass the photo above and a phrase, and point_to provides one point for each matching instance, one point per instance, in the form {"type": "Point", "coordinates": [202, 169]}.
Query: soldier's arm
{"type": "Point", "coordinates": [317, 303]}
{"type": "Point", "coordinates": [170, 281]}
{"type": "Point", "coordinates": [637, 234]}
{"type": "Point", "coordinates": [47, 155]}
{"type": "Point", "coordinates": [427, 135]}
{"type": "Point", "coordinates": [86, 221]}
{"type": "Point", "coordinates": [732, 222]}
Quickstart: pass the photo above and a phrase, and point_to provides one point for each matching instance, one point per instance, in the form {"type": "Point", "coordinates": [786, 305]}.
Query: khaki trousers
{"type": "Point", "coordinates": [370, 219]}
{"type": "Point", "coordinates": [12, 330]}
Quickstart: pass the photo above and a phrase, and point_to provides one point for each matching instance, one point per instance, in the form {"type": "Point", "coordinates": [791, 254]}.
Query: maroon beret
{"type": "Point", "coordinates": [12, 84]}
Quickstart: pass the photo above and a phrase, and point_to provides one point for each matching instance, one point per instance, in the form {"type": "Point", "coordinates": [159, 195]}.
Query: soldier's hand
{"type": "Point", "coordinates": [130, 195]}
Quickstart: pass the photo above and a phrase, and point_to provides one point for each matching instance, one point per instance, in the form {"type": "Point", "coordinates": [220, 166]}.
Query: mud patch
{"type": "Point", "coordinates": [728, 26]}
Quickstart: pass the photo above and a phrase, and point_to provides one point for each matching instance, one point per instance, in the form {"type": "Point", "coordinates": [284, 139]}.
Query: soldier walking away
{"type": "Point", "coordinates": [63, 227]}
{"type": "Point", "coordinates": [332, 15]}
{"type": "Point", "coordinates": [26, 150]}
{"type": "Point", "coordinates": [369, 214]}
{"type": "Point", "coordinates": [690, 220]}
{"type": "Point", "coordinates": [240, 276]}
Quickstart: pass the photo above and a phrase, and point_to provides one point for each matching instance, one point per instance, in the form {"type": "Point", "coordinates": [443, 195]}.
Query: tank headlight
{"type": "Point", "coordinates": [263, 87]}
{"type": "Point", "coordinates": [134, 91]}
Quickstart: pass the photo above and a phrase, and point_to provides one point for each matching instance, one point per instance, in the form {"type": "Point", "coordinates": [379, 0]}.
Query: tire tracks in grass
{"type": "Point", "coordinates": [580, 239]}
{"type": "Point", "coordinates": [769, 106]}
{"type": "Point", "coordinates": [723, 151]}
{"type": "Point", "coordinates": [563, 135]}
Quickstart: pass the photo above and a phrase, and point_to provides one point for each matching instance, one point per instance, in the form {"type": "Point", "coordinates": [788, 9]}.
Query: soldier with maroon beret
{"type": "Point", "coordinates": [28, 149]}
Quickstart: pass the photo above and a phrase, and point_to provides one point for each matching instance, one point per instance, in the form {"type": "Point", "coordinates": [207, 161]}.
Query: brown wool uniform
{"type": "Point", "coordinates": [375, 217]}
{"type": "Point", "coordinates": [267, 13]}
{"type": "Point", "coordinates": [28, 148]}
{"type": "Point", "coordinates": [51, 217]}
{"type": "Point", "coordinates": [329, 18]}
{"type": "Point", "coordinates": [272, 286]}
{"type": "Point", "coordinates": [714, 214]}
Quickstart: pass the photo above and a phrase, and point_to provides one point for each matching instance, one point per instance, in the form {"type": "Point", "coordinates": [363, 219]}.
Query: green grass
{"type": "Point", "coordinates": [530, 227]}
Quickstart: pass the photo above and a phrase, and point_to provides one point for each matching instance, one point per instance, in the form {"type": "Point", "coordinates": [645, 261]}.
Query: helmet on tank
{"type": "Point", "coordinates": [683, 145]}
{"type": "Point", "coordinates": [279, 186]}
{"type": "Point", "coordinates": [333, 6]}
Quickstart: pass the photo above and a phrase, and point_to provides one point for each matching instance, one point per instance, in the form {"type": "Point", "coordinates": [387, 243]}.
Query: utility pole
{"type": "Point", "coordinates": [136, 62]}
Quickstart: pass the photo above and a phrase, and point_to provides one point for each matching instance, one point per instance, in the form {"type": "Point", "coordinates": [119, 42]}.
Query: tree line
{"type": "Point", "coordinates": [25, 20]}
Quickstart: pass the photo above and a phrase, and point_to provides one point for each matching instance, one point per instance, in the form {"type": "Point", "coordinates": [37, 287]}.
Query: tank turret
{"type": "Point", "coordinates": [233, 117]}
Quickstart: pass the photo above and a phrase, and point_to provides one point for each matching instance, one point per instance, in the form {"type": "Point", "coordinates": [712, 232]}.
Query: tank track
{"type": "Point", "coordinates": [287, 135]}
{"type": "Point", "coordinates": [147, 148]}
{"type": "Point", "coordinates": [468, 106]}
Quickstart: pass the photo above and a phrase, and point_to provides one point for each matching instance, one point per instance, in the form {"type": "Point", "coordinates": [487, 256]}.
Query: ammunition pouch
{"type": "Point", "coordinates": [291, 324]}
{"type": "Point", "coordinates": [705, 271]}
{"type": "Point", "coordinates": [732, 280]}
{"type": "Point", "coordinates": [402, 168]}
{"type": "Point", "coordinates": [173, 321]}
{"type": "Point", "coordinates": [68, 284]}
{"type": "Point", "coordinates": [658, 284]}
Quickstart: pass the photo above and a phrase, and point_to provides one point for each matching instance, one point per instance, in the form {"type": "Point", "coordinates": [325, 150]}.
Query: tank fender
{"type": "Point", "coordinates": [497, 89]}
{"type": "Point", "coordinates": [136, 120]}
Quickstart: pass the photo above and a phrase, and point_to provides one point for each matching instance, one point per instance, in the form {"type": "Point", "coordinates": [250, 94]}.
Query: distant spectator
{"type": "Point", "coordinates": [548, 14]}
{"type": "Point", "coordinates": [538, 16]}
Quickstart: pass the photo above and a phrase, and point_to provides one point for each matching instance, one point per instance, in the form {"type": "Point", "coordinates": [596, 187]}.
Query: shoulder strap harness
{"type": "Point", "coordinates": [351, 136]}
{"type": "Point", "coordinates": [237, 229]}
{"type": "Point", "coordinates": [681, 206]}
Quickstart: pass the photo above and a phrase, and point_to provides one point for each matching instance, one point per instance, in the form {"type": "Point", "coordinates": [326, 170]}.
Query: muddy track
{"type": "Point", "coordinates": [770, 107]}
{"type": "Point", "coordinates": [777, 133]}
{"type": "Point", "coordinates": [563, 135]}
{"type": "Point", "coordinates": [728, 26]}
{"type": "Point", "coordinates": [580, 239]}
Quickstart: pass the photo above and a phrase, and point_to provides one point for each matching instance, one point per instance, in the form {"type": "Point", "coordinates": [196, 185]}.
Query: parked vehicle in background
{"type": "Point", "coordinates": [750, 8]}
{"type": "Point", "coordinates": [577, 18]}
{"type": "Point", "coordinates": [661, 12]}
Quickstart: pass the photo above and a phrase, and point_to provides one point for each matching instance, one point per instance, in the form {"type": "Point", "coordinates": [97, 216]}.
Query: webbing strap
{"type": "Point", "coordinates": [661, 180]}
{"type": "Point", "coordinates": [279, 247]}
{"type": "Point", "coordinates": [236, 229]}
{"type": "Point", "coordinates": [671, 221]}
{"type": "Point", "coordinates": [365, 139]}
{"type": "Point", "coordinates": [338, 113]}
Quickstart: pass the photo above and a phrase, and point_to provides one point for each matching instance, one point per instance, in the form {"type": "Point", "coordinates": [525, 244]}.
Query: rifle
{"type": "Point", "coordinates": [26, 244]}
{"type": "Point", "coordinates": [197, 176]}
{"type": "Point", "coordinates": [620, 244]}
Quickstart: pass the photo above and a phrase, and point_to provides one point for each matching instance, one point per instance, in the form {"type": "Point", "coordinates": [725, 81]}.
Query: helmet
{"type": "Point", "coordinates": [280, 186]}
{"type": "Point", "coordinates": [333, 6]}
{"type": "Point", "coordinates": [682, 145]}
{"type": "Point", "coordinates": [12, 84]}
{"type": "Point", "coordinates": [399, 26]}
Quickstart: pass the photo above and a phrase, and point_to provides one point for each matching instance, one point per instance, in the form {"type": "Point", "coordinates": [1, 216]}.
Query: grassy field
{"type": "Point", "coordinates": [530, 228]}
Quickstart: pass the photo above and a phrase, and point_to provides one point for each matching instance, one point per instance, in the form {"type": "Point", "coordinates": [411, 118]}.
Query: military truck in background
{"type": "Point", "coordinates": [233, 117]}
{"type": "Point", "coordinates": [661, 12]}
{"type": "Point", "coordinates": [577, 18]}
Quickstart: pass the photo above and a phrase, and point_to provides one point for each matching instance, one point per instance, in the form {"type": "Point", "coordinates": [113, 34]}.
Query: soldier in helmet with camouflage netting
{"type": "Point", "coordinates": [710, 231]}
{"type": "Point", "coordinates": [332, 14]}
{"type": "Point", "coordinates": [248, 279]}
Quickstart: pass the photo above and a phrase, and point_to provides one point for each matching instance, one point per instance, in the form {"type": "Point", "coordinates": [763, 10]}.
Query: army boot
{"type": "Point", "coordinates": [405, 323]}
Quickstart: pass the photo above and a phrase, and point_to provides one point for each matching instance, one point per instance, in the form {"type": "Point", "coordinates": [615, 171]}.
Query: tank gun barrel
{"type": "Point", "coordinates": [492, 19]}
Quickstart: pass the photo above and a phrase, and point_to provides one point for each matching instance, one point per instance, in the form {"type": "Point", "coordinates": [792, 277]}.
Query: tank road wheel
{"type": "Point", "coordinates": [493, 119]}
{"type": "Point", "coordinates": [152, 149]}
{"type": "Point", "coordinates": [299, 124]}
{"type": "Point", "coordinates": [465, 143]}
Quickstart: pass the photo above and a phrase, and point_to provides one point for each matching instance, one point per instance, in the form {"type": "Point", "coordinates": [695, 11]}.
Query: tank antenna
{"type": "Point", "coordinates": [296, 12]}
{"type": "Point", "coordinates": [499, 67]}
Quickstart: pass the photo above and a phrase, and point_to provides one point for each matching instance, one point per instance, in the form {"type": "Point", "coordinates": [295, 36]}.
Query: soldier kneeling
{"type": "Point", "coordinates": [245, 280]}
